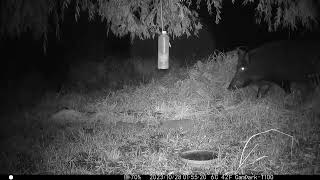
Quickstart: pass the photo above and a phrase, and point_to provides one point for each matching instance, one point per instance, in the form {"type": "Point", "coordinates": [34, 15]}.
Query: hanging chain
{"type": "Point", "coordinates": [161, 16]}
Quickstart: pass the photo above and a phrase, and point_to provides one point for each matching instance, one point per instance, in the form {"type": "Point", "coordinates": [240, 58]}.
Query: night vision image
{"type": "Point", "coordinates": [160, 88]}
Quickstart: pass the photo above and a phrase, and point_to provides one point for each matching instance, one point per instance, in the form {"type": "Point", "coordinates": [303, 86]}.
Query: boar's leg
{"type": "Point", "coordinates": [314, 79]}
{"type": "Point", "coordinates": [263, 88]}
{"type": "Point", "coordinates": [304, 90]}
{"type": "Point", "coordinates": [286, 86]}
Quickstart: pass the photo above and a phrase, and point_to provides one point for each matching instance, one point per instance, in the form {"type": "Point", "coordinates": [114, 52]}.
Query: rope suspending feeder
{"type": "Point", "coordinates": [163, 46]}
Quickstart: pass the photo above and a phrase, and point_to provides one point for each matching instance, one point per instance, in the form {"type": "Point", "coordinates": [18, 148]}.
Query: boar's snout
{"type": "Point", "coordinates": [231, 87]}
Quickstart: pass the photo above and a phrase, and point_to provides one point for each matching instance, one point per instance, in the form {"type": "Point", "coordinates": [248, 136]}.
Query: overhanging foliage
{"type": "Point", "coordinates": [287, 14]}
{"type": "Point", "coordinates": [142, 18]}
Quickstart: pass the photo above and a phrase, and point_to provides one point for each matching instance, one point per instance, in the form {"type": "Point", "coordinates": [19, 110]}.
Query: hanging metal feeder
{"type": "Point", "coordinates": [163, 51]}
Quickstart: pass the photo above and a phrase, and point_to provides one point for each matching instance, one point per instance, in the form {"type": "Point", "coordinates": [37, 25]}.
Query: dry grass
{"type": "Point", "coordinates": [127, 131]}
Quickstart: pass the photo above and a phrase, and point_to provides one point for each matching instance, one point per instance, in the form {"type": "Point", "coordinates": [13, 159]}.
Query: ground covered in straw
{"type": "Point", "coordinates": [142, 128]}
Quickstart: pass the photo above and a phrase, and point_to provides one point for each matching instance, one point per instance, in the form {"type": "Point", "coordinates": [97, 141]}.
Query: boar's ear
{"type": "Point", "coordinates": [241, 53]}
{"type": "Point", "coordinates": [243, 56]}
{"type": "Point", "coordinates": [246, 58]}
{"type": "Point", "coordinates": [243, 48]}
